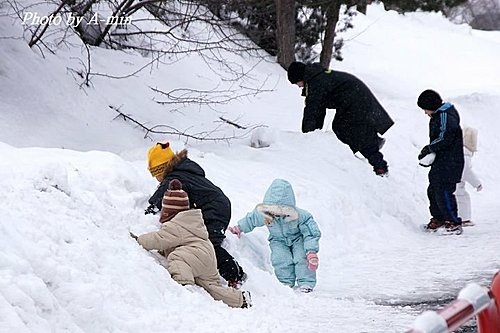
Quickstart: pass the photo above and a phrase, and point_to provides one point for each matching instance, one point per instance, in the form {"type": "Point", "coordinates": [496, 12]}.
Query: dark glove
{"type": "Point", "coordinates": [133, 236]}
{"type": "Point", "coordinates": [151, 210]}
{"type": "Point", "coordinates": [424, 152]}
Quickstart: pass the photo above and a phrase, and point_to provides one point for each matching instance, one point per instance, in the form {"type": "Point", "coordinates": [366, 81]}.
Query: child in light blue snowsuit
{"type": "Point", "coordinates": [293, 235]}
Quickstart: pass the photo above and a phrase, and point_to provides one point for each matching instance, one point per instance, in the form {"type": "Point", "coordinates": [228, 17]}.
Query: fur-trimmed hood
{"type": "Point", "coordinates": [174, 161]}
{"type": "Point", "coordinates": [181, 162]}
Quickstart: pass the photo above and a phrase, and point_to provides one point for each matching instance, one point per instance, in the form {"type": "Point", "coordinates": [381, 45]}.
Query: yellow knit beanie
{"type": "Point", "coordinates": [158, 157]}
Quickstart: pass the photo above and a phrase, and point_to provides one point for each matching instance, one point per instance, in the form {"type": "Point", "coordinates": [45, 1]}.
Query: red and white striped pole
{"type": "Point", "coordinates": [488, 321]}
{"type": "Point", "coordinates": [471, 301]}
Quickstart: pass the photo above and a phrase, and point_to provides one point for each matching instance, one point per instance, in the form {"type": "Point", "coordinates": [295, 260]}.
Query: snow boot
{"type": "Point", "coordinates": [239, 282]}
{"type": "Point", "coordinates": [451, 228]}
{"type": "Point", "coordinates": [305, 289]}
{"type": "Point", "coordinates": [247, 300]}
{"type": "Point", "coordinates": [382, 171]}
{"type": "Point", "coordinates": [434, 225]}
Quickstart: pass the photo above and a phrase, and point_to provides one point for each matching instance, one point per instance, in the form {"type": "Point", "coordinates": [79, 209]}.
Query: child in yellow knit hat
{"type": "Point", "coordinates": [158, 157]}
{"type": "Point", "coordinates": [165, 165]}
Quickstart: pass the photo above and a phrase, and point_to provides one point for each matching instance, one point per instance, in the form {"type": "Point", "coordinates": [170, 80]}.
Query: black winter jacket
{"type": "Point", "coordinates": [359, 115]}
{"type": "Point", "coordinates": [446, 141]}
{"type": "Point", "coordinates": [202, 193]}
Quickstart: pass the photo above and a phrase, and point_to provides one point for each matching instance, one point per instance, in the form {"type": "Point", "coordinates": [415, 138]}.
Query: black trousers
{"type": "Point", "coordinates": [227, 266]}
{"type": "Point", "coordinates": [373, 154]}
{"type": "Point", "coordinates": [442, 201]}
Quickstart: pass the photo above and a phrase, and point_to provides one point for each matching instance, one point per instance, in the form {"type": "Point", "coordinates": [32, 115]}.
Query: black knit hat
{"type": "Point", "coordinates": [429, 100]}
{"type": "Point", "coordinates": [296, 72]}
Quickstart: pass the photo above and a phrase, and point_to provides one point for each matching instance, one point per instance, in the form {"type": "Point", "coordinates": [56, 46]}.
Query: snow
{"type": "Point", "coordinates": [74, 182]}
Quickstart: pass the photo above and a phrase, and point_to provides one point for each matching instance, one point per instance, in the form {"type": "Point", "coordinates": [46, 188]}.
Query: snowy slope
{"type": "Point", "coordinates": [74, 182]}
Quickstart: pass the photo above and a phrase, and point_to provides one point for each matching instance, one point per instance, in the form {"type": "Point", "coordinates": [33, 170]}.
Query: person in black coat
{"type": "Point", "coordinates": [359, 117]}
{"type": "Point", "coordinates": [215, 206]}
{"type": "Point", "coordinates": [445, 141]}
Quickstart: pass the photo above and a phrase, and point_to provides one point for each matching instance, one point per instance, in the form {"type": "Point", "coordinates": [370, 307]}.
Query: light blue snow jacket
{"type": "Point", "coordinates": [282, 228]}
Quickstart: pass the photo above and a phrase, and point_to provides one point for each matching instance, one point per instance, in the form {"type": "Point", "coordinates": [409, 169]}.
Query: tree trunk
{"type": "Point", "coordinates": [360, 5]}
{"type": "Point", "coordinates": [285, 31]}
{"type": "Point", "coordinates": [332, 17]}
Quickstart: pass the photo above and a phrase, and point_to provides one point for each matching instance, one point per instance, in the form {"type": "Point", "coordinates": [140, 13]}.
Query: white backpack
{"type": "Point", "coordinates": [470, 138]}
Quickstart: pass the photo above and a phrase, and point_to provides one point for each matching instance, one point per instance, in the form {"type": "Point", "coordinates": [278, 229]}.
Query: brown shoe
{"type": "Point", "coordinates": [434, 224]}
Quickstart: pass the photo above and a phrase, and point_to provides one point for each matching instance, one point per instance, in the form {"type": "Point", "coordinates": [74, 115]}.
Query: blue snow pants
{"type": "Point", "coordinates": [290, 264]}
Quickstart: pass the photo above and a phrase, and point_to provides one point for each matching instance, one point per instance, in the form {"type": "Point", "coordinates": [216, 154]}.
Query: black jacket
{"type": "Point", "coordinates": [202, 193]}
{"type": "Point", "coordinates": [446, 141]}
{"type": "Point", "coordinates": [359, 115]}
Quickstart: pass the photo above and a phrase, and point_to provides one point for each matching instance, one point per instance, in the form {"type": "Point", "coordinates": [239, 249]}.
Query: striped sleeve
{"type": "Point", "coordinates": [447, 130]}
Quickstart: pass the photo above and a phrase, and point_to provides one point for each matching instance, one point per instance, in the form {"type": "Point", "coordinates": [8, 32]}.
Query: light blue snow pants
{"type": "Point", "coordinates": [290, 265]}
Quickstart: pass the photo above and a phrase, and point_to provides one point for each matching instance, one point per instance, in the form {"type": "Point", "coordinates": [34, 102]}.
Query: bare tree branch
{"type": "Point", "coordinates": [232, 123]}
{"type": "Point", "coordinates": [36, 37]}
{"type": "Point", "coordinates": [201, 136]}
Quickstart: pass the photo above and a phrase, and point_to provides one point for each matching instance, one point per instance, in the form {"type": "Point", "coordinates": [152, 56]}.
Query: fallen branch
{"type": "Point", "coordinates": [202, 136]}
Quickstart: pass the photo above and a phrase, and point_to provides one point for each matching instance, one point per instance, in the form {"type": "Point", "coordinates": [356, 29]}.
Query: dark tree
{"type": "Point", "coordinates": [285, 31]}
{"type": "Point", "coordinates": [403, 6]}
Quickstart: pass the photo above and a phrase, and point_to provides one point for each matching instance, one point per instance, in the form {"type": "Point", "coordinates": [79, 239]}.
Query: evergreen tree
{"type": "Point", "coordinates": [403, 6]}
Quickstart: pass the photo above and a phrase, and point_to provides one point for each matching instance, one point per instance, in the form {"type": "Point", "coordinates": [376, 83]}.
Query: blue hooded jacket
{"type": "Point", "coordinates": [286, 222]}
{"type": "Point", "coordinates": [445, 139]}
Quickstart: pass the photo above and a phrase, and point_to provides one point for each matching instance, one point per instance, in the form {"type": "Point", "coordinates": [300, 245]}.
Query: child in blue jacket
{"type": "Point", "coordinates": [293, 235]}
